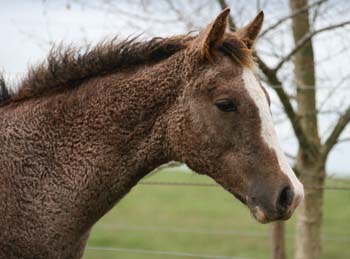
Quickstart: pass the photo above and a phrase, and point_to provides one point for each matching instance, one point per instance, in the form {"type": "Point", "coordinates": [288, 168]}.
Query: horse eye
{"type": "Point", "coordinates": [226, 105]}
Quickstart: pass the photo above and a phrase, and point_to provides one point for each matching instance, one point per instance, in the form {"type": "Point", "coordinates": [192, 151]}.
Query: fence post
{"type": "Point", "coordinates": [278, 240]}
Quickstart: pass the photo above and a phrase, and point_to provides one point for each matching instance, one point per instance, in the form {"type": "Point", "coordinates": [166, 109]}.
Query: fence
{"type": "Point", "coordinates": [343, 239]}
{"type": "Point", "coordinates": [156, 252]}
{"type": "Point", "coordinates": [187, 184]}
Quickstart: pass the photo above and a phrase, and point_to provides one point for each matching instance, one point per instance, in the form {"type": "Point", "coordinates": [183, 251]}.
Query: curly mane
{"type": "Point", "coordinates": [67, 67]}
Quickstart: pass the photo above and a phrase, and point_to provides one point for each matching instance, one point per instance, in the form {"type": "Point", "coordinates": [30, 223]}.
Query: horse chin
{"type": "Point", "coordinates": [259, 214]}
{"type": "Point", "coordinates": [256, 211]}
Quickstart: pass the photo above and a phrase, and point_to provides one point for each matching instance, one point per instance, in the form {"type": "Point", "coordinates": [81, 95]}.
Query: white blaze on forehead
{"type": "Point", "coordinates": [268, 132]}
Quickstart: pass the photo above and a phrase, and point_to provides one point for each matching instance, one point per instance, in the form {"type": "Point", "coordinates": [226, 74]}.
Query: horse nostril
{"type": "Point", "coordinates": [285, 199]}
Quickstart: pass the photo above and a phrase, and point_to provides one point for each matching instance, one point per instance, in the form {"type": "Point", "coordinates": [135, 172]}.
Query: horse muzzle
{"type": "Point", "coordinates": [279, 206]}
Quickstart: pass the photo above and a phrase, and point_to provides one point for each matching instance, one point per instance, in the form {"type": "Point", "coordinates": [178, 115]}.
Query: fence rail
{"type": "Point", "coordinates": [193, 184]}
{"type": "Point", "coordinates": [157, 252]}
{"type": "Point", "coordinates": [336, 237]}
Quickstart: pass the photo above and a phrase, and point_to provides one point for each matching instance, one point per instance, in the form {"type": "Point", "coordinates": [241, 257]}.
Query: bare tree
{"type": "Point", "coordinates": [309, 162]}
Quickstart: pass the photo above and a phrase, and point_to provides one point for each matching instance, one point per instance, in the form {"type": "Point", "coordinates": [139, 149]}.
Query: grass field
{"type": "Point", "coordinates": [204, 220]}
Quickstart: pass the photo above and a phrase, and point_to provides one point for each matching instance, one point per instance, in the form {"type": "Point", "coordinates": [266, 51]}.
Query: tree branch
{"type": "Point", "coordinates": [283, 19]}
{"type": "Point", "coordinates": [337, 130]}
{"type": "Point", "coordinates": [307, 37]}
{"type": "Point", "coordinates": [343, 140]}
{"type": "Point", "coordinates": [288, 108]}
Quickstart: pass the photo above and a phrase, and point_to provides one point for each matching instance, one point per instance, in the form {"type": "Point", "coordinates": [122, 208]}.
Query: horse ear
{"type": "Point", "coordinates": [249, 33]}
{"type": "Point", "coordinates": [213, 35]}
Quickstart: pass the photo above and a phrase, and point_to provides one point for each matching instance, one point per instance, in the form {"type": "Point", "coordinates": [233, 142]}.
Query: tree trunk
{"type": "Point", "coordinates": [309, 215]}
{"type": "Point", "coordinates": [278, 240]}
{"type": "Point", "coordinates": [310, 165]}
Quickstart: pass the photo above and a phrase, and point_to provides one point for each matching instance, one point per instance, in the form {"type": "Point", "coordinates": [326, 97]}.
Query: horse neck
{"type": "Point", "coordinates": [139, 107]}
{"type": "Point", "coordinates": [119, 127]}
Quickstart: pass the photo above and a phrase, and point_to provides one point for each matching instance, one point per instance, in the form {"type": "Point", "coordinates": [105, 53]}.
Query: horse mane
{"type": "Point", "coordinates": [68, 67]}
{"type": "Point", "coordinates": [4, 90]}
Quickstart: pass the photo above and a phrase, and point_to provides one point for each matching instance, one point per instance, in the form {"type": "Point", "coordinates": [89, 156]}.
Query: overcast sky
{"type": "Point", "coordinates": [28, 29]}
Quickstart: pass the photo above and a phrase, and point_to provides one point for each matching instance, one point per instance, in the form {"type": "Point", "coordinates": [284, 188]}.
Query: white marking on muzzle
{"type": "Point", "coordinates": [268, 130]}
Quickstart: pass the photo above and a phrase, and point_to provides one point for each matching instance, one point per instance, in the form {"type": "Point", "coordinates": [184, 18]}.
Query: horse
{"type": "Point", "coordinates": [85, 126]}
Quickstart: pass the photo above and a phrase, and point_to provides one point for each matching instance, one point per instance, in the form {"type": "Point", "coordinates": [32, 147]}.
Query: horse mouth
{"type": "Point", "coordinates": [259, 214]}
{"type": "Point", "coordinates": [262, 217]}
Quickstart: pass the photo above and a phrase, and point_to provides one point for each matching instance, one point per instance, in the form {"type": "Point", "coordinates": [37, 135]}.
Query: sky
{"type": "Point", "coordinates": [29, 28]}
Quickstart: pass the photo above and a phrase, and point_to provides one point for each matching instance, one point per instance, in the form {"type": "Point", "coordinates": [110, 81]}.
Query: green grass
{"type": "Point", "coordinates": [204, 220]}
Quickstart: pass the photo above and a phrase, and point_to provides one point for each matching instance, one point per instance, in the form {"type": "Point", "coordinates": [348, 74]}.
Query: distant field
{"type": "Point", "coordinates": [204, 220]}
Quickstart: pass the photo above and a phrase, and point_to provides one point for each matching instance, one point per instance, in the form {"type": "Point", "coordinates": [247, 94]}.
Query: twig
{"type": "Point", "coordinates": [337, 130]}
{"type": "Point", "coordinates": [283, 96]}
{"type": "Point", "coordinates": [343, 140]}
{"type": "Point", "coordinates": [283, 19]}
{"type": "Point", "coordinates": [307, 37]}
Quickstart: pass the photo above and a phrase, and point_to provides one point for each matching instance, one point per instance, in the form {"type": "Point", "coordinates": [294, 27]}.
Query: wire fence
{"type": "Point", "coordinates": [334, 237]}
{"type": "Point", "coordinates": [159, 252]}
{"type": "Point", "coordinates": [216, 232]}
{"type": "Point", "coordinates": [190, 184]}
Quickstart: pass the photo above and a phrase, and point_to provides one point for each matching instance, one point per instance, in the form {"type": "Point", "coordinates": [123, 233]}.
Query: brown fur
{"type": "Point", "coordinates": [84, 129]}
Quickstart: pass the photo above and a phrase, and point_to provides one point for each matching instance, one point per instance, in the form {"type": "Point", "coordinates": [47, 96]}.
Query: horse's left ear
{"type": "Point", "coordinates": [249, 33]}
{"type": "Point", "coordinates": [213, 35]}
